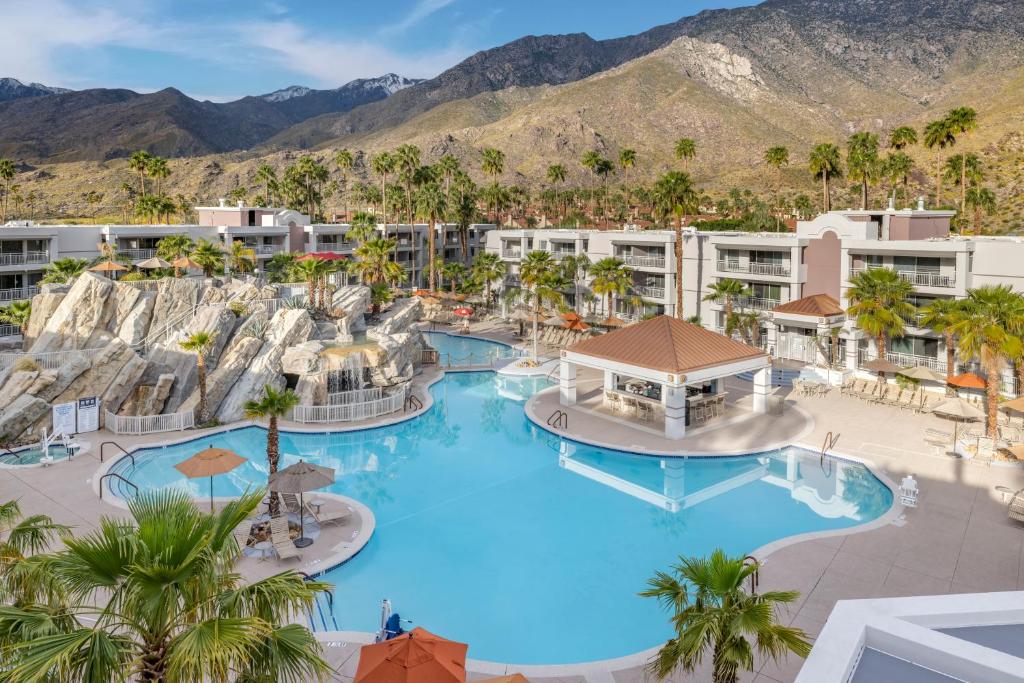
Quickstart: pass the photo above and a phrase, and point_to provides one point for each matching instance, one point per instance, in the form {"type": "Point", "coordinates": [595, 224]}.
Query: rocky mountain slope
{"type": "Point", "coordinates": [13, 89]}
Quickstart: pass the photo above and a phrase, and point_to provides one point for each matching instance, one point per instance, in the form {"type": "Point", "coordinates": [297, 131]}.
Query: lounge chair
{"type": "Point", "coordinates": [241, 534]}
{"type": "Point", "coordinates": [327, 516]}
{"type": "Point", "coordinates": [908, 399]}
{"type": "Point", "coordinates": [281, 539]}
{"type": "Point", "coordinates": [892, 397]}
{"type": "Point", "coordinates": [847, 386]}
{"type": "Point", "coordinates": [928, 404]}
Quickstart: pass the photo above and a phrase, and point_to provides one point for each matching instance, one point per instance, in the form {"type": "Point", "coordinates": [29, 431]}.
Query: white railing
{"type": "Point", "coordinates": [264, 249]}
{"type": "Point", "coordinates": [18, 293]}
{"type": "Point", "coordinates": [10, 330]}
{"type": "Point", "coordinates": [752, 302]}
{"type": "Point", "coordinates": [487, 359]}
{"type": "Point", "coordinates": [904, 360]}
{"type": "Point", "coordinates": [351, 412]}
{"type": "Point", "coordinates": [50, 360]}
{"type": "Point", "coordinates": [137, 254]}
{"type": "Point", "coordinates": [653, 292]}
{"type": "Point", "coordinates": [752, 268]}
{"type": "Point", "coordinates": [921, 278]}
{"type": "Point", "coordinates": [344, 398]}
{"type": "Point", "coordinates": [148, 424]}
{"type": "Point", "coordinates": [644, 261]}
{"type": "Point", "coordinates": [511, 253]}
{"type": "Point", "coordinates": [21, 258]}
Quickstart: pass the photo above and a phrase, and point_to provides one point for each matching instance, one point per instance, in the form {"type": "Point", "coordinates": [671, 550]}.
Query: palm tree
{"type": "Point", "coordinates": [448, 166]}
{"type": "Point", "coordinates": [273, 405]}
{"type": "Point", "coordinates": [556, 176]}
{"type": "Point", "coordinates": [938, 135]}
{"type": "Point", "coordinates": [7, 173]}
{"type": "Point", "coordinates": [602, 170]}
{"type": "Point", "coordinates": [902, 137]}
{"type": "Point", "coordinates": [576, 267]}
{"type": "Point", "coordinates": [17, 313]}
{"type": "Point", "coordinates": [611, 277]}
{"type": "Point", "coordinates": [989, 325]}
{"type": "Point", "coordinates": [375, 265]}
{"type": "Point", "coordinates": [158, 169]}
{"type": "Point", "coordinates": [345, 161]}
{"type": "Point", "coordinates": [455, 272]}
{"type": "Point", "coordinates": [431, 206]}
{"type": "Point", "coordinates": [940, 316]}
{"type": "Point", "coordinates": [777, 157]}
{"type": "Point", "coordinates": [139, 162]}
{"type": "Point", "coordinates": [725, 291]}
{"type": "Point", "coordinates": [711, 610]}
{"type": "Point", "coordinates": [897, 167]}
{"type": "Point", "coordinates": [174, 247]}
{"type": "Point", "coordinates": [862, 161]}
{"type": "Point", "coordinates": [383, 164]}
{"type": "Point", "coordinates": [487, 268]}
{"type": "Point", "coordinates": [154, 598]}
{"type": "Point", "coordinates": [309, 270]}
{"type": "Point", "coordinates": [20, 538]}
{"type": "Point", "coordinates": [266, 175]}
{"type": "Point", "coordinates": [980, 200]}
{"type": "Point", "coordinates": [279, 266]}
{"type": "Point", "coordinates": [241, 258]}
{"type": "Point", "coordinates": [674, 196]}
{"type": "Point", "coordinates": [148, 207]}
{"type": "Point", "coordinates": [407, 160]}
{"type": "Point", "coordinates": [685, 149]}
{"type": "Point", "coordinates": [824, 163]}
{"type": "Point", "coordinates": [535, 271]}
{"type": "Point", "coordinates": [962, 121]}
{"type": "Point", "coordinates": [362, 228]}
{"type": "Point", "coordinates": [64, 270]}
{"type": "Point", "coordinates": [209, 256]}
{"type": "Point", "coordinates": [200, 343]}
{"type": "Point", "coordinates": [879, 300]}
{"type": "Point", "coordinates": [493, 163]}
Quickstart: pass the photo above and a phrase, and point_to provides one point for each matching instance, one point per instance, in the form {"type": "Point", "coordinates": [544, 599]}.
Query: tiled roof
{"type": "Point", "coordinates": [668, 345]}
{"type": "Point", "coordinates": [817, 305]}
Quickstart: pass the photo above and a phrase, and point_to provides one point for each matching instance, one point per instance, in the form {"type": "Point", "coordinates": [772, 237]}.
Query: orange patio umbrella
{"type": "Point", "coordinates": [576, 324]}
{"type": "Point", "coordinates": [414, 657]}
{"type": "Point", "coordinates": [209, 463]}
{"type": "Point", "coordinates": [185, 263]}
{"type": "Point", "coordinates": [422, 292]}
{"type": "Point", "coordinates": [967, 380]}
{"type": "Point", "coordinates": [108, 267]}
{"type": "Point", "coordinates": [514, 678]}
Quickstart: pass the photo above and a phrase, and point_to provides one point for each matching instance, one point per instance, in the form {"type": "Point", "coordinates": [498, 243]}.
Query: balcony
{"type": "Point", "coordinates": [137, 254]}
{"type": "Point", "coordinates": [333, 248]}
{"type": "Point", "coordinates": [920, 278]}
{"type": "Point", "coordinates": [904, 360]}
{"type": "Point", "coordinates": [650, 292]}
{"type": "Point", "coordinates": [24, 258]}
{"type": "Point", "coordinates": [511, 253]}
{"type": "Point", "coordinates": [754, 303]}
{"type": "Point", "coordinates": [752, 268]}
{"type": "Point", "coordinates": [643, 261]}
{"type": "Point", "coordinates": [17, 294]}
{"type": "Point", "coordinates": [264, 249]}
{"type": "Point", "coordinates": [562, 253]}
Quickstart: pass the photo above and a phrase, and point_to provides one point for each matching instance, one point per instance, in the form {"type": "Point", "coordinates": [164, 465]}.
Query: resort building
{"type": "Point", "coordinates": [796, 282]}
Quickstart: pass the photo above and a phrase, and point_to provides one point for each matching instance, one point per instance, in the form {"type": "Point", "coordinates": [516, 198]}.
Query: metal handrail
{"type": "Point", "coordinates": [558, 420]}
{"type": "Point", "coordinates": [755, 578]}
{"type": "Point", "coordinates": [114, 443]}
{"type": "Point", "coordinates": [412, 402]}
{"type": "Point", "coordinates": [829, 444]}
{"type": "Point", "coordinates": [115, 475]}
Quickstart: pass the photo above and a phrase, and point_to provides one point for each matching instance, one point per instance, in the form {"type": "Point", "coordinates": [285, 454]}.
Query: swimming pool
{"type": "Point", "coordinates": [530, 548]}
{"type": "Point", "coordinates": [462, 351]}
{"type": "Point", "coordinates": [32, 455]}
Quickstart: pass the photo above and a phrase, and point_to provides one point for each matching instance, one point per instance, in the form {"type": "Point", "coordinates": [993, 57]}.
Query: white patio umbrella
{"type": "Point", "coordinates": [958, 410]}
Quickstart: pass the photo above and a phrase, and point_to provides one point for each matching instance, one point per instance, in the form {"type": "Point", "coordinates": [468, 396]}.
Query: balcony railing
{"type": "Point", "coordinates": [511, 253]}
{"type": "Point", "coordinates": [904, 360]}
{"type": "Point", "coordinates": [644, 261]}
{"type": "Point", "coordinates": [264, 249]}
{"type": "Point", "coordinates": [17, 294]}
{"type": "Point", "coordinates": [652, 292]}
{"type": "Point", "coordinates": [137, 254]}
{"type": "Point", "coordinates": [9, 330]}
{"type": "Point", "coordinates": [22, 258]}
{"type": "Point", "coordinates": [921, 278]}
{"type": "Point", "coordinates": [560, 254]}
{"type": "Point", "coordinates": [752, 302]}
{"type": "Point", "coordinates": [752, 268]}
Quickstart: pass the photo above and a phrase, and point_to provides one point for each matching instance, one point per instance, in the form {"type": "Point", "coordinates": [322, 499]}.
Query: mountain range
{"type": "Point", "coordinates": [790, 72]}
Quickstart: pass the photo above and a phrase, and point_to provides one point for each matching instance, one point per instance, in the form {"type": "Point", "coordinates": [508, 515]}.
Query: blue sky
{"type": "Point", "coordinates": [224, 49]}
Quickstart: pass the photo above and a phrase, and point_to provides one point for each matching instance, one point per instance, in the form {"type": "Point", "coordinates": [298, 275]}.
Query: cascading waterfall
{"type": "Point", "coordinates": [352, 374]}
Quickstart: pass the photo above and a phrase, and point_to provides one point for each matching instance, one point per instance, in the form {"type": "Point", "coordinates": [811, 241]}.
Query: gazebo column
{"type": "Point", "coordinates": [675, 411]}
{"type": "Point", "coordinates": [567, 383]}
{"type": "Point", "coordinates": [762, 387]}
{"type": "Point", "coordinates": [609, 380]}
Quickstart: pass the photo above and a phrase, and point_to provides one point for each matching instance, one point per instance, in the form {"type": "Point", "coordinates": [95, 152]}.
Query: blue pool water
{"type": "Point", "coordinates": [530, 548]}
{"type": "Point", "coordinates": [461, 351]}
{"type": "Point", "coordinates": [32, 455]}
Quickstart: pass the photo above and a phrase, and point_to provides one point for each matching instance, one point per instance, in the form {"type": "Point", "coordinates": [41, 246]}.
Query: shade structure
{"type": "Point", "coordinates": [554, 321]}
{"type": "Point", "coordinates": [1016, 405]}
{"type": "Point", "coordinates": [418, 656]}
{"type": "Point", "coordinates": [463, 311]}
{"type": "Point", "coordinates": [923, 373]}
{"type": "Point", "coordinates": [108, 267]}
{"type": "Point", "coordinates": [299, 478]}
{"type": "Point", "coordinates": [152, 263]}
{"type": "Point", "coordinates": [185, 263]}
{"type": "Point", "coordinates": [882, 366]}
{"type": "Point", "coordinates": [967, 380]}
{"type": "Point", "coordinates": [959, 409]}
{"type": "Point", "coordinates": [1016, 451]}
{"type": "Point", "coordinates": [513, 678]}
{"type": "Point", "coordinates": [209, 463]}
{"type": "Point", "coordinates": [576, 325]}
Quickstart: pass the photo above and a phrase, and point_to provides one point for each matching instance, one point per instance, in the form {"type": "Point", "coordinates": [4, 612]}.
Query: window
{"type": "Point", "coordinates": [872, 260]}
{"type": "Point", "coordinates": [772, 257]}
{"type": "Point", "coordinates": [731, 257]}
{"type": "Point", "coordinates": [918, 264]}
{"type": "Point", "coordinates": [762, 291]}
{"type": "Point", "coordinates": [915, 346]}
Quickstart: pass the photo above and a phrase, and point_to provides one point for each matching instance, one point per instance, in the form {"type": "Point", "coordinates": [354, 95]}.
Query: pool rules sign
{"type": "Point", "coordinates": [88, 414]}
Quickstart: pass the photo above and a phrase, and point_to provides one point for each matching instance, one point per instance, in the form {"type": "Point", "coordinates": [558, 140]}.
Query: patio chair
{"type": "Point", "coordinates": [280, 538]}
{"type": "Point", "coordinates": [241, 535]}
{"type": "Point", "coordinates": [908, 492]}
{"type": "Point", "coordinates": [892, 397]}
{"type": "Point", "coordinates": [928, 403]}
{"type": "Point", "coordinates": [847, 385]}
{"type": "Point", "coordinates": [629, 405]}
{"type": "Point", "coordinates": [645, 411]}
{"type": "Point", "coordinates": [291, 502]}
{"type": "Point", "coordinates": [324, 517]}
{"type": "Point", "coordinates": [884, 395]}
{"type": "Point", "coordinates": [613, 400]}
{"type": "Point", "coordinates": [938, 439]}
{"type": "Point", "coordinates": [908, 400]}
{"type": "Point", "coordinates": [1015, 510]}
{"type": "Point", "coordinates": [799, 387]}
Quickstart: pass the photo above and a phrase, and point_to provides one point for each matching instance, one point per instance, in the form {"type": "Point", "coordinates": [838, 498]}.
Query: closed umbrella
{"type": "Point", "coordinates": [418, 656]}
{"type": "Point", "coordinates": [209, 463]}
{"type": "Point", "coordinates": [299, 478]}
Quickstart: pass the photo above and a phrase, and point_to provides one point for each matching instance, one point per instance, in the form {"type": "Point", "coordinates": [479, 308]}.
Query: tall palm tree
{"type": "Point", "coordinates": [375, 265]}
{"type": "Point", "coordinates": [940, 316]}
{"type": "Point", "coordinates": [158, 169]}
{"type": "Point", "coordinates": [556, 176]}
{"type": "Point", "coordinates": [273, 405]}
{"type": "Point", "coordinates": [362, 228]}
{"type": "Point", "coordinates": [200, 343]}
{"type": "Point", "coordinates": [896, 168]}
{"type": "Point", "coordinates": [139, 162]}
{"type": "Point", "coordinates": [407, 162]}
{"type": "Point", "coordinates": [726, 291]}
{"type": "Point", "coordinates": [938, 135]}
{"type": "Point", "coordinates": [174, 247]}
{"type": "Point", "coordinates": [383, 164]}
{"type": "Point", "coordinates": [989, 326]}
{"type": "Point", "coordinates": [712, 611]}
{"type": "Point", "coordinates": [980, 200]}
{"type": "Point", "coordinates": [309, 270]}
{"type": "Point", "coordinates": [536, 272]}
{"type": "Point", "coordinates": [576, 268]}
{"type": "Point", "coordinates": [431, 206]}
{"type": "Point", "coordinates": [674, 195]}
{"type": "Point", "coordinates": [962, 121]}
{"type": "Point", "coordinates": [455, 273]}
{"type": "Point", "coordinates": [824, 163]}
{"type": "Point", "coordinates": [685, 149]}
{"type": "Point", "coordinates": [902, 137]}
{"type": "Point", "coordinates": [20, 538]}
{"type": "Point", "coordinates": [493, 163]}
{"type": "Point", "coordinates": [64, 270]}
{"type": "Point", "coordinates": [7, 173]}
{"type": "Point", "coordinates": [627, 162]}
{"type": "Point", "coordinates": [241, 258]}
{"type": "Point", "coordinates": [17, 313]}
{"type": "Point", "coordinates": [154, 598]}
{"type": "Point", "coordinates": [862, 161]}
{"type": "Point", "coordinates": [266, 175]}
{"type": "Point", "coordinates": [611, 278]}
{"type": "Point", "coordinates": [448, 166]}
{"type": "Point", "coordinates": [464, 211]}
{"type": "Point", "coordinates": [209, 256]}
{"type": "Point", "coordinates": [602, 170]}
{"type": "Point", "coordinates": [777, 157]}
{"type": "Point", "coordinates": [488, 268]}
{"type": "Point", "coordinates": [879, 300]}
{"type": "Point", "coordinates": [345, 161]}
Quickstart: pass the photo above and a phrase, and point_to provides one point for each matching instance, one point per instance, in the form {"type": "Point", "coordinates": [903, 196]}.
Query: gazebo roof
{"type": "Point", "coordinates": [815, 305]}
{"type": "Point", "coordinates": [667, 345]}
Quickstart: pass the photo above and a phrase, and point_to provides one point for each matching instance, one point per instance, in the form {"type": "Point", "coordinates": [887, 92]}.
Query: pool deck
{"type": "Point", "coordinates": [958, 539]}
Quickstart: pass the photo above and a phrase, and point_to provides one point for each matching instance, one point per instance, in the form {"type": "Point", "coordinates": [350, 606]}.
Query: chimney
{"type": "Point", "coordinates": [920, 203]}
{"type": "Point", "coordinates": [222, 202]}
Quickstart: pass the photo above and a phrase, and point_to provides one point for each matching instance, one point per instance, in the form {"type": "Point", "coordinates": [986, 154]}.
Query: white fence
{"type": "Point", "coordinates": [148, 424]}
{"type": "Point", "coordinates": [47, 361]}
{"type": "Point", "coordinates": [352, 412]}
{"type": "Point", "coordinates": [344, 398]}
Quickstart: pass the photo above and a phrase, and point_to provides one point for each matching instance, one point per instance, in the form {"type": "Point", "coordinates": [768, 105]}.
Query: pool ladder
{"type": "Point", "coordinates": [558, 420]}
{"type": "Point", "coordinates": [755, 577]}
{"type": "Point", "coordinates": [413, 403]}
{"type": "Point", "coordinates": [830, 443]}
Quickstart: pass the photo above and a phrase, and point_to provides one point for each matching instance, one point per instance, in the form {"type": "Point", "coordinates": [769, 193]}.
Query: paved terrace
{"type": "Point", "coordinates": [957, 540]}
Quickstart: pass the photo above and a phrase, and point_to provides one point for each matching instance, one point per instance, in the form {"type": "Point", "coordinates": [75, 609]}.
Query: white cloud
{"type": "Point", "coordinates": [422, 10]}
{"type": "Point", "coordinates": [332, 63]}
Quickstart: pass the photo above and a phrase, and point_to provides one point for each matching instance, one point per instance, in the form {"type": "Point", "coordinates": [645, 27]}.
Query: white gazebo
{"type": "Point", "coordinates": [668, 356]}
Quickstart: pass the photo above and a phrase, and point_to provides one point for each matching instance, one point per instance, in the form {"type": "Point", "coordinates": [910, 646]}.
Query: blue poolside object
{"type": "Point", "coordinates": [394, 627]}
{"type": "Point", "coordinates": [529, 547]}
